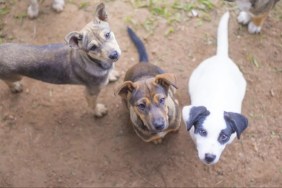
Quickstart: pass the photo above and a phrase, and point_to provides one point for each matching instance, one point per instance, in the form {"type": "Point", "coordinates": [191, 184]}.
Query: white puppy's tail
{"type": "Point", "coordinates": [222, 36]}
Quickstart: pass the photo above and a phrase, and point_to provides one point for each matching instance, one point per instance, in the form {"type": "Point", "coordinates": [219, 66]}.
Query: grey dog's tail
{"type": "Point", "coordinates": [143, 56]}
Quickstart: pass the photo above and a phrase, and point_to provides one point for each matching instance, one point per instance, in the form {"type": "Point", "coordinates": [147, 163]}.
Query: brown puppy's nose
{"type": "Point", "coordinates": [159, 124]}
{"type": "Point", "coordinates": [114, 55]}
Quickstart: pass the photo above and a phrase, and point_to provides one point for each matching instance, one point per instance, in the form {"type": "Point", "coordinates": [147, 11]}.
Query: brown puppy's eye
{"type": "Point", "coordinates": [162, 101]}
{"type": "Point", "coordinates": [108, 35]}
{"type": "Point", "coordinates": [141, 106]}
{"type": "Point", "coordinates": [93, 48]}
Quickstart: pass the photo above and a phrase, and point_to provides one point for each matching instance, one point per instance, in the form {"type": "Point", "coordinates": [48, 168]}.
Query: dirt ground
{"type": "Point", "coordinates": [49, 138]}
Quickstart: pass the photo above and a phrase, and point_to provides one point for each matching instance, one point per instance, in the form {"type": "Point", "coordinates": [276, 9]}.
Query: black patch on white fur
{"type": "Point", "coordinates": [225, 134]}
{"type": "Point", "coordinates": [197, 116]}
{"type": "Point", "coordinates": [236, 121]}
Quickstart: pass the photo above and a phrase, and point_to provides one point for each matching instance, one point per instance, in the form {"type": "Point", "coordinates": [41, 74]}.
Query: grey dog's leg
{"type": "Point", "coordinates": [14, 84]}
{"type": "Point", "coordinates": [99, 110]}
{"type": "Point", "coordinates": [113, 75]}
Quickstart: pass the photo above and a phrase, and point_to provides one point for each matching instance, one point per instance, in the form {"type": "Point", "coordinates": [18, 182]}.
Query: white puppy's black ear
{"type": "Point", "coordinates": [196, 116]}
{"type": "Point", "coordinates": [237, 121]}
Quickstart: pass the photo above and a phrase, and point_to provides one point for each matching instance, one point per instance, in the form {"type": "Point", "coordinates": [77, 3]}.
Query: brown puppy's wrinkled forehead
{"type": "Point", "coordinates": [147, 89]}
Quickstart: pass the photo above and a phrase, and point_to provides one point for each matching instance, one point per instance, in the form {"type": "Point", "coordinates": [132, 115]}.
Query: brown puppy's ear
{"type": "Point", "coordinates": [101, 13]}
{"type": "Point", "coordinates": [73, 39]}
{"type": "Point", "coordinates": [125, 88]}
{"type": "Point", "coordinates": [166, 80]}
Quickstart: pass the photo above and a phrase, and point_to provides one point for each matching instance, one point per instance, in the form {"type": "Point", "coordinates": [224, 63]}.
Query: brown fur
{"type": "Point", "coordinates": [259, 20]}
{"type": "Point", "coordinates": [146, 84]}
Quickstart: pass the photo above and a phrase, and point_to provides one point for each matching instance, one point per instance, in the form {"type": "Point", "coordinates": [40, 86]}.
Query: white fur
{"type": "Point", "coordinates": [100, 110]}
{"type": "Point", "coordinates": [33, 9]}
{"type": "Point", "coordinates": [58, 5]}
{"type": "Point", "coordinates": [252, 28]}
{"type": "Point", "coordinates": [218, 85]}
{"type": "Point", "coordinates": [244, 18]}
{"type": "Point", "coordinates": [16, 87]}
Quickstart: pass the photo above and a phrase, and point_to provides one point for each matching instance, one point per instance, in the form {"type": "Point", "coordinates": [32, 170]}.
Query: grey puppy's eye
{"type": "Point", "coordinates": [93, 48]}
{"type": "Point", "coordinates": [108, 35]}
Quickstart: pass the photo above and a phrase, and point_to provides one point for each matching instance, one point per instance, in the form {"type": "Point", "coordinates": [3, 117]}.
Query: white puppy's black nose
{"type": "Point", "coordinates": [209, 157]}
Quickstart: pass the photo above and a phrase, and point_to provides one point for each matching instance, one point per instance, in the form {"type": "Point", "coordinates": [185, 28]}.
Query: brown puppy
{"type": "Point", "coordinates": [254, 13]}
{"type": "Point", "coordinates": [87, 59]}
{"type": "Point", "coordinates": [149, 94]}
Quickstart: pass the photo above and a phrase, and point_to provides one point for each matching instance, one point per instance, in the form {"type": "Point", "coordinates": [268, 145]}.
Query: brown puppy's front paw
{"type": "Point", "coordinates": [158, 141]}
{"type": "Point", "coordinates": [16, 87]}
{"type": "Point", "coordinates": [100, 110]}
{"type": "Point", "coordinates": [113, 75]}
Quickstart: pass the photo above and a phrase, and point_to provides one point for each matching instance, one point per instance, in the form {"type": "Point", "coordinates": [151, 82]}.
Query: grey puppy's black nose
{"type": "Point", "coordinates": [209, 157]}
{"type": "Point", "coordinates": [159, 124]}
{"type": "Point", "coordinates": [114, 55]}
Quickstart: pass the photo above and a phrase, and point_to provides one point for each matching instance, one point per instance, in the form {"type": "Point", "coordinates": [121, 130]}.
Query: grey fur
{"type": "Point", "coordinates": [75, 62]}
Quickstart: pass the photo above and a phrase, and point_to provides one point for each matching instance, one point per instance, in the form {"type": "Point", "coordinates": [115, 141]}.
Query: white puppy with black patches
{"type": "Point", "coordinates": [217, 88]}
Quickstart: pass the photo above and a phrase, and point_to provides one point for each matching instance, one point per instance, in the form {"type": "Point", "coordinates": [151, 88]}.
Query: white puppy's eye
{"type": "Point", "coordinates": [223, 138]}
{"type": "Point", "coordinates": [202, 132]}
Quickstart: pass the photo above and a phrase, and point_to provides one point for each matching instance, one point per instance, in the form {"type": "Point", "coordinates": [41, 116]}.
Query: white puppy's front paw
{"type": "Point", "coordinates": [113, 75]}
{"type": "Point", "coordinates": [58, 5]}
{"type": "Point", "coordinates": [244, 18]}
{"type": "Point", "coordinates": [253, 29]}
{"type": "Point", "coordinates": [100, 110]}
{"type": "Point", "coordinates": [33, 11]}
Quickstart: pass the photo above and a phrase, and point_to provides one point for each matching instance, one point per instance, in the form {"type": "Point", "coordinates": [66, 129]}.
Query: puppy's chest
{"type": "Point", "coordinates": [96, 80]}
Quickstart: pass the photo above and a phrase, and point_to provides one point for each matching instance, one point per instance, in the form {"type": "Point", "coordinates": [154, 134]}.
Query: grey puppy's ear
{"type": "Point", "coordinates": [237, 121]}
{"type": "Point", "coordinates": [197, 113]}
{"type": "Point", "coordinates": [101, 13]}
{"type": "Point", "coordinates": [73, 39]}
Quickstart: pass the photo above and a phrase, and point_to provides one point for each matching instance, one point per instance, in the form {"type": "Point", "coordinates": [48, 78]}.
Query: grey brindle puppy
{"type": "Point", "coordinates": [87, 59]}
